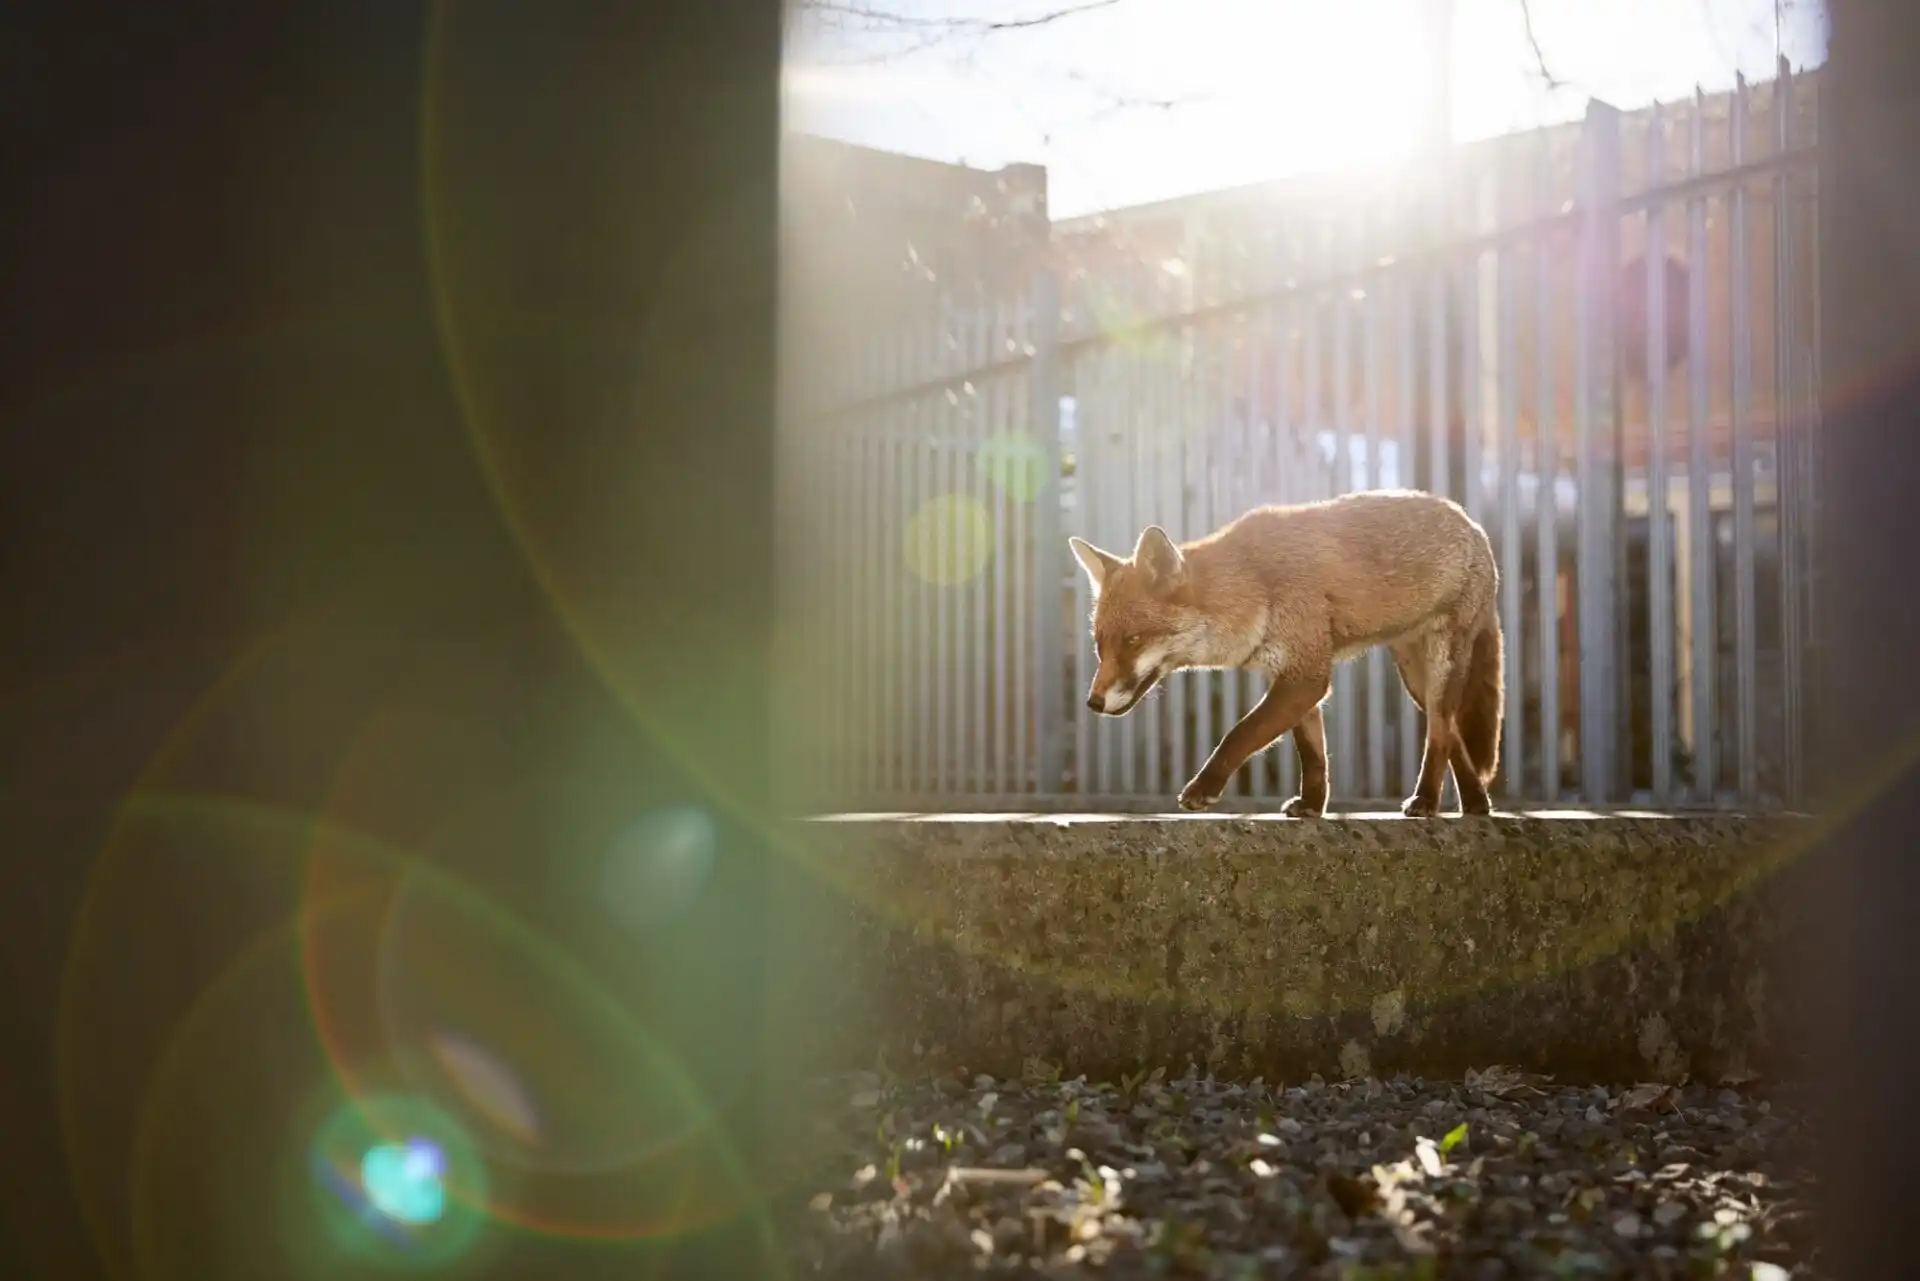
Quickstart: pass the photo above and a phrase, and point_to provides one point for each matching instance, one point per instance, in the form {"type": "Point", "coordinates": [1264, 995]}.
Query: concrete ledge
{"type": "Point", "coordinates": [1623, 946]}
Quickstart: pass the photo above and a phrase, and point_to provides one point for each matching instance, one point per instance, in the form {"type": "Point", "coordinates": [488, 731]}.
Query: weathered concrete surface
{"type": "Point", "coordinates": [1611, 947]}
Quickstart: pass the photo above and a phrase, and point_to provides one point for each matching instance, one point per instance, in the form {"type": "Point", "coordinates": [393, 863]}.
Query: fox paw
{"type": "Point", "coordinates": [1198, 795]}
{"type": "Point", "coordinates": [1297, 807]}
{"type": "Point", "coordinates": [1420, 807]}
{"type": "Point", "coordinates": [1477, 805]}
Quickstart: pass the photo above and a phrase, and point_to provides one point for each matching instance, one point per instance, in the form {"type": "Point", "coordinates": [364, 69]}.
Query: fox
{"type": "Point", "coordinates": [1289, 591]}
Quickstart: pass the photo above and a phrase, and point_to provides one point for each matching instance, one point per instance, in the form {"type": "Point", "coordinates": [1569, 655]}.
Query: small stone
{"type": "Point", "coordinates": [1627, 1225]}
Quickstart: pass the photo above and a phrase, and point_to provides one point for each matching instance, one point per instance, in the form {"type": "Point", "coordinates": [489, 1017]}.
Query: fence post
{"type": "Point", "coordinates": [1596, 424]}
{"type": "Point", "coordinates": [1043, 412]}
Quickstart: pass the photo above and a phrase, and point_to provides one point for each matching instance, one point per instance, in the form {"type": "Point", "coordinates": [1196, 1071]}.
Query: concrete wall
{"type": "Point", "coordinates": [1622, 948]}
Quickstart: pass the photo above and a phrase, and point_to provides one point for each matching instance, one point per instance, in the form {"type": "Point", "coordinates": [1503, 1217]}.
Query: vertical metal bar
{"type": "Point", "coordinates": [966, 653]}
{"type": "Point", "coordinates": [1437, 374]}
{"type": "Point", "coordinates": [1745, 632]}
{"type": "Point", "coordinates": [1016, 701]}
{"type": "Point", "coordinates": [1286, 429]}
{"type": "Point", "coordinates": [1199, 497]}
{"type": "Point", "coordinates": [1146, 447]}
{"type": "Point", "coordinates": [1258, 448]}
{"type": "Point", "coordinates": [1406, 297]}
{"type": "Point", "coordinates": [1090, 425]}
{"type": "Point", "coordinates": [1170, 465]}
{"type": "Point", "coordinates": [1001, 463]}
{"type": "Point", "coordinates": [934, 505]}
{"type": "Point", "coordinates": [846, 562]}
{"type": "Point", "coordinates": [1224, 493]}
{"type": "Point", "coordinates": [1440, 399]}
{"type": "Point", "coordinates": [988, 387]}
{"type": "Point", "coordinates": [1659, 531]}
{"type": "Point", "coordinates": [1702, 556]}
{"type": "Point", "coordinates": [1126, 457]}
{"type": "Point", "coordinates": [886, 589]}
{"type": "Point", "coordinates": [867, 514]}
{"type": "Point", "coordinates": [831, 627]}
{"type": "Point", "coordinates": [897, 508]}
{"type": "Point", "coordinates": [1513, 750]}
{"type": "Point", "coordinates": [894, 573]}
{"type": "Point", "coordinates": [1342, 397]}
{"type": "Point", "coordinates": [922, 423]}
{"type": "Point", "coordinates": [930, 427]}
{"type": "Point", "coordinates": [1345, 732]}
{"type": "Point", "coordinates": [1594, 427]}
{"type": "Point", "coordinates": [900, 656]}
{"type": "Point", "coordinates": [1472, 370]}
{"type": "Point", "coordinates": [1310, 472]}
{"type": "Point", "coordinates": [1815, 421]}
{"type": "Point", "coordinates": [980, 641]}
{"type": "Point", "coordinates": [1547, 487]}
{"type": "Point", "coordinates": [1049, 549]}
{"type": "Point", "coordinates": [861, 512]}
{"type": "Point", "coordinates": [1376, 657]}
{"type": "Point", "coordinates": [1115, 430]}
{"type": "Point", "coordinates": [1787, 434]}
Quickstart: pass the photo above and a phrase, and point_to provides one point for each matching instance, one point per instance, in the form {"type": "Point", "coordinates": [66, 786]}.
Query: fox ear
{"type": "Point", "coordinates": [1097, 563]}
{"type": "Point", "coordinates": [1158, 559]}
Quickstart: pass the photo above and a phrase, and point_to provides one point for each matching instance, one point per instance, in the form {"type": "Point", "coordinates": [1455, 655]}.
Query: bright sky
{"type": "Point", "coordinates": [1264, 88]}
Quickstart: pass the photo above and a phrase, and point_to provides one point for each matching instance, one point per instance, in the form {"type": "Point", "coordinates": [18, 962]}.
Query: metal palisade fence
{"type": "Point", "coordinates": [1613, 368]}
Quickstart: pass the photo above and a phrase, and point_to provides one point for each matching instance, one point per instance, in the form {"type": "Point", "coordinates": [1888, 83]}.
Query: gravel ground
{"type": "Point", "coordinates": [1499, 1175]}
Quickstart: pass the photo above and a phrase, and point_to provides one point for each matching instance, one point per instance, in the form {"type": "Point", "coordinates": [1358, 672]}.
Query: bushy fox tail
{"type": "Point", "coordinates": [1482, 703]}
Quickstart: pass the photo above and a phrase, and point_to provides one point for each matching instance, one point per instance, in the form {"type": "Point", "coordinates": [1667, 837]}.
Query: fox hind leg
{"type": "Point", "coordinates": [1474, 798]}
{"type": "Point", "coordinates": [1433, 668]}
{"type": "Point", "coordinates": [1310, 745]}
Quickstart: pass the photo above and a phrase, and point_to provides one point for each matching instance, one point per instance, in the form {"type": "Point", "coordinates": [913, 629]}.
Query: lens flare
{"type": "Point", "coordinates": [402, 1180]}
{"type": "Point", "coordinates": [1015, 463]}
{"type": "Point", "coordinates": [657, 868]}
{"type": "Point", "coordinates": [488, 1085]}
{"type": "Point", "coordinates": [397, 1182]}
{"type": "Point", "coordinates": [949, 540]}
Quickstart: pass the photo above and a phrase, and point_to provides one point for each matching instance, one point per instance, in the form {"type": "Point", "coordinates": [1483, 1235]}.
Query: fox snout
{"type": "Point", "coordinates": [1115, 694]}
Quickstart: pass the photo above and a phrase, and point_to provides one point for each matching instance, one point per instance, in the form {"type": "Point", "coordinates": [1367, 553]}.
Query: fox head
{"type": "Point", "coordinates": [1144, 622]}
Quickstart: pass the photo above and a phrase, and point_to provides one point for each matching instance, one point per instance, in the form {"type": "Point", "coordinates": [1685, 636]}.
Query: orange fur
{"type": "Point", "coordinates": [1290, 591]}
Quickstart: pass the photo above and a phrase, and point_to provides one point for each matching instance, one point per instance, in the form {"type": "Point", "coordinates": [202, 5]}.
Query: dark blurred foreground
{"type": "Point", "coordinates": [385, 513]}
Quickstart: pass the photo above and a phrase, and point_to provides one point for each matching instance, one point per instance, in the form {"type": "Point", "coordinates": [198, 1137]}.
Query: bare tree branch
{"type": "Point", "coordinates": [884, 19]}
{"type": "Point", "coordinates": [855, 16]}
{"type": "Point", "coordinates": [1539, 56]}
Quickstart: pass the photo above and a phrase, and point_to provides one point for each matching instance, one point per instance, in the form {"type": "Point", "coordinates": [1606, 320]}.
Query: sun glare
{"type": "Point", "coordinates": [1323, 86]}
{"type": "Point", "coordinates": [1144, 99]}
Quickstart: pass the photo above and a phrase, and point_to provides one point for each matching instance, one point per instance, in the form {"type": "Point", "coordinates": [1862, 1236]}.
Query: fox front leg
{"type": "Point", "coordinates": [1287, 700]}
